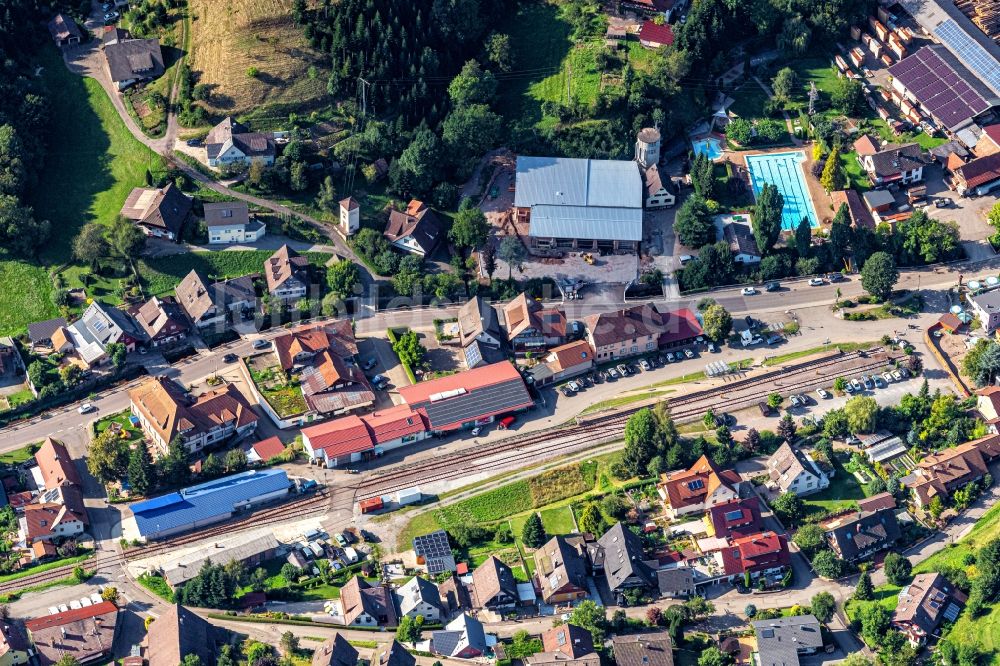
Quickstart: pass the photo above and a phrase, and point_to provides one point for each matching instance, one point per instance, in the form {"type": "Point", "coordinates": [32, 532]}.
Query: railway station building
{"type": "Point", "coordinates": [468, 399]}
{"type": "Point", "coordinates": [202, 505]}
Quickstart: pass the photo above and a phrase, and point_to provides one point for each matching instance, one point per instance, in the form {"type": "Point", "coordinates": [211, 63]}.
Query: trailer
{"type": "Point", "coordinates": [370, 505]}
{"type": "Point", "coordinates": [409, 496]}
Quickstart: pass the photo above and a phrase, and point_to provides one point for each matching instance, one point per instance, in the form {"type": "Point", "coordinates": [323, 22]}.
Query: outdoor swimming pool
{"type": "Point", "coordinates": [708, 146]}
{"type": "Point", "coordinates": [784, 171]}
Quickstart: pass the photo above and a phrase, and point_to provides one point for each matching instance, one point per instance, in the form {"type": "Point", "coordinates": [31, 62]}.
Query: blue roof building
{"type": "Point", "coordinates": [207, 503]}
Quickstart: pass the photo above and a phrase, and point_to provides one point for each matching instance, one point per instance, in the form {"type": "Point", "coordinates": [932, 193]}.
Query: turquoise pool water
{"type": "Point", "coordinates": [709, 146]}
{"type": "Point", "coordinates": [784, 171]}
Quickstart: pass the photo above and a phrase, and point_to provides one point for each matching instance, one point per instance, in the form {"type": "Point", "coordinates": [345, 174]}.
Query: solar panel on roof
{"type": "Point", "coordinates": [971, 52]}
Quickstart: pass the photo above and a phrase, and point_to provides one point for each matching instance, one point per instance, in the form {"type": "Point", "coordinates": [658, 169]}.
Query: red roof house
{"type": "Point", "coordinates": [737, 518]}
{"type": "Point", "coordinates": [654, 35]}
{"type": "Point", "coordinates": [695, 489]}
{"type": "Point", "coordinates": [349, 438]}
{"type": "Point", "coordinates": [756, 554]}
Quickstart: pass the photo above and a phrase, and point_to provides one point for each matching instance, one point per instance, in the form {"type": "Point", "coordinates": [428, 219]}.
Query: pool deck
{"type": "Point", "coordinates": [822, 201]}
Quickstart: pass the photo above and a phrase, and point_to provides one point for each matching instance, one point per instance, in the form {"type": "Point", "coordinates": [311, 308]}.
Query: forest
{"type": "Point", "coordinates": [23, 119]}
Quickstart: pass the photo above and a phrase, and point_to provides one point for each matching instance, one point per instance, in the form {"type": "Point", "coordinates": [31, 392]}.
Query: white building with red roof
{"type": "Point", "coordinates": [354, 438]}
{"type": "Point", "coordinates": [468, 399]}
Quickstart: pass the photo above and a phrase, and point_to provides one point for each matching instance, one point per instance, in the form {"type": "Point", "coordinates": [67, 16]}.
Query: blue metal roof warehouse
{"type": "Point", "coordinates": [207, 503]}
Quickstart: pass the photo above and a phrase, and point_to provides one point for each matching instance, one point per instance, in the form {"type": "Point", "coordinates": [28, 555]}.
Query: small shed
{"type": "Point", "coordinates": [950, 322]}
{"type": "Point", "coordinates": [370, 505]}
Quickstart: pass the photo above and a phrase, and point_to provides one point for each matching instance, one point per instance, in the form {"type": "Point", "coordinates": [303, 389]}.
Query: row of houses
{"type": "Point", "coordinates": [197, 304]}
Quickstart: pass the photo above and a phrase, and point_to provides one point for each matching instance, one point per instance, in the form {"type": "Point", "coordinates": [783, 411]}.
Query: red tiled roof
{"type": "Point", "coordinates": [336, 336]}
{"type": "Point", "coordinates": [755, 552]}
{"type": "Point", "coordinates": [393, 423]}
{"type": "Point", "coordinates": [993, 132]}
{"type": "Point", "coordinates": [680, 325]}
{"type": "Point", "coordinates": [73, 615]}
{"type": "Point", "coordinates": [980, 171]}
{"type": "Point", "coordinates": [340, 437]}
{"type": "Point", "coordinates": [880, 502]}
{"type": "Point", "coordinates": [571, 355]}
{"type": "Point", "coordinates": [56, 465]}
{"type": "Point", "coordinates": [470, 380]}
{"type": "Point", "coordinates": [678, 485]}
{"type": "Point", "coordinates": [656, 34]}
{"type": "Point", "coordinates": [748, 521]}
{"type": "Point", "coordinates": [269, 448]}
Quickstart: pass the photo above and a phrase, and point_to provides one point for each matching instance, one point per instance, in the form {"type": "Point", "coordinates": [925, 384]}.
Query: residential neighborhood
{"type": "Point", "coordinates": [384, 333]}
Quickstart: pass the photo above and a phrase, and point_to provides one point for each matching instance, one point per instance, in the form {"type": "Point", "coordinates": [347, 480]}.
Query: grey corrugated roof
{"type": "Point", "coordinates": [564, 181]}
{"type": "Point", "coordinates": [623, 224]}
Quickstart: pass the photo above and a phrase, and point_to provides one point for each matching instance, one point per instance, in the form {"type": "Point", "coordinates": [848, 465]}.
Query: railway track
{"type": "Point", "coordinates": [315, 503]}
{"type": "Point", "coordinates": [43, 577]}
{"type": "Point", "coordinates": [734, 395]}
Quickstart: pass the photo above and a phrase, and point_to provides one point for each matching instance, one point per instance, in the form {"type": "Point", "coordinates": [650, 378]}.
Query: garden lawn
{"type": "Point", "coordinates": [983, 630]}
{"type": "Point", "coordinates": [886, 595]}
{"type": "Point", "coordinates": [161, 275]}
{"type": "Point", "coordinates": [558, 521]}
{"type": "Point", "coordinates": [844, 491]}
{"type": "Point", "coordinates": [18, 456]}
{"type": "Point", "coordinates": [750, 99]}
{"type": "Point", "coordinates": [157, 585]}
{"type": "Point", "coordinates": [92, 163]}
{"type": "Point", "coordinates": [134, 434]}
{"type": "Point", "coordinates": [856, 175]}
{"type": "Point", "coordinates": [26, 296]}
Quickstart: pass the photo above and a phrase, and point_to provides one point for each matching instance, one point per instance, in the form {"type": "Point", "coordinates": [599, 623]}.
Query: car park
{"type": "Point", "coordinates": [816, 282]}
{"type": "Point", "coordinates": [688, 353]}
{"type": "Point", "coordinates": [823, 393]}
{"type": "Point", "coordinates": [261, 343]}
{"type": "Point", "coordinates": [774, 339]}
{"type": "Point", "coordinates": [85, 408]}
{"type": "Point", "coordinates": [748, 291]}
{"type": "Point", "coordinates": [887, 376]}
{"type": "Point", "coordinates": [878, 381]}
{"type": "Point", "coordinates": [836, 277]}
{"type": "Point", "coordinates": [867, 381]}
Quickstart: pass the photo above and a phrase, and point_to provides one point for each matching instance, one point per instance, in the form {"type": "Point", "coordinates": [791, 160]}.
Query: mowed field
{"type": "Point", "coordinates": [230, 36]}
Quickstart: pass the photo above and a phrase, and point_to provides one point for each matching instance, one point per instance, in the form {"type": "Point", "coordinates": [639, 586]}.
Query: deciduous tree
{"type": "Point", "coordinates": [879, 275]}
{"type": "Point", "coordinates": [718, 323]}
{"type": "Point", "coordinates": [767, 218]}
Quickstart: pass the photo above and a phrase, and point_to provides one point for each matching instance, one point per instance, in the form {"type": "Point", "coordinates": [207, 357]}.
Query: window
{"type": "Point", "coordinates": [697, 484]}
{"type": "Point", "coordinates": [228, 212]}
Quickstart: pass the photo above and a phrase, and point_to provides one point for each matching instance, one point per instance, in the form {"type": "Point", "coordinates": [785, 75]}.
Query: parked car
{"type": "Point", "coordinates": [942, 202]}
{"type": "Point", "coordinates": [573, 386]}
{"type": "Point", "coordinates": [752, 341]}
{"type": "Point", "coordinates": [688, 353]}
{"type": "Point", "coordinates": [623, 370]}
{"type": "Point", "coordinates": [823, 393]}
{"type": "Point", "coordinates": [476, 430]}
{"type": "Point", "coordinates": [111, 17]}
{"type": "Point", "coordinates": [712, 348]}
{"type": "Point", "coordinates": [794, 400]}
{"type": "Point", "coordinates": [849, 387]}
{"type": "Point", "coordinates": [645, 364]}
{"type": "Point", "coordinates": [85, 408]}
{"type": "Point", "coordinates": [887, 376]}
{"type": "Point", "coordinates": [194, 143]}
{"type": "Point", "coordinates": [566, 392]}
{"type": "Point", "coordinates": [904, 372]}
{"type": "Point", "coordinates": [371, 363]}
{"type": "Point", "coordinates": [878, 381]}
{"type": "Point", "coordinates": [897, 376]}
{"type": "Point", "coordinates": [867, 381]}
{"type": "Point", "coordinates": [772, 286]}
{"type": "Point", "coordinates": [852, 440]}
{"type": "Point", "coordinates": [816, 282]}
{"type": "Point", "coordinates": [670, 357]}
{"type": "Point", "coordinates": [748, 291]}
{"type": "Point", "coordinates": [612, 373]}
{"type": "Point", "coordinates": [774, 339]}
{"type": "Point", "coordinates": [836, 277]}
{"type": "Point", "coordinates": [684, 258]}
{"type": "Point", "coordinates": [230, 358]}
{"type": "Point", "coordinates": [856, 383]}
{"type": "Point", "coordinates": [261, 343]}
